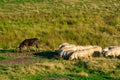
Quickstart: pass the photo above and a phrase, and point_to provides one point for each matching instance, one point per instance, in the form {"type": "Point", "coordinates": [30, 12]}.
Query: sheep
{"type": "Point", "coordinates": [97, 51]}
{"type": "Point", "coordinates": [65, 47]}
{"type": "Point", "coordinates": [79, 55]}
{"type": "Point", "coordinates": [115, 52]}
{"type": "Point", "coordinates": [67, 51]}
{"type": "Point", "coordinates": [66, 54]}
{"type": "Point", "coordinates": [83, 47]}
{"type": "Point", "coordinates": [76, 48]}
{"type": "Point", "coordinates": [73, 49]}
{"type": "Point", "coordinates": [94, 51]}
{"type": "Point", "coordinates": [87, 53]}
{"type": "Point", "coordinates": [109, 48]}
{"type": "Point", "coordinates": [70, 48]}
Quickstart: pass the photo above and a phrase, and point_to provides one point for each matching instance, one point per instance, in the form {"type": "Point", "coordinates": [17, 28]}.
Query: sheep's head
{"type": "Point", "coordinates": [107, 54]}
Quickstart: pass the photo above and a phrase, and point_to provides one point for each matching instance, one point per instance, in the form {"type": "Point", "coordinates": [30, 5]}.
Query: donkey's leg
{"type": "Point", "coordinates": [37, 46]}
{"type": "Point", "coordinates": [28, 48]}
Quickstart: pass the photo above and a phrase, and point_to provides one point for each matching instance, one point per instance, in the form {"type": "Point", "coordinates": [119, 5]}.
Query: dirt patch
{"type": "Point", "coordinates": [21, 61]}
{"type": "Point", "coordinates": [26, 58]}
{"type": "Point", "coordinates": [19, 58]}
{"type": "Point", "coordinates": [18, 54]}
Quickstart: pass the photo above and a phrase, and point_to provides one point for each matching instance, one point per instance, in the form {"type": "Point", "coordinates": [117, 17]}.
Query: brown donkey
{"type": "Point", "coordinates": [28, 43]}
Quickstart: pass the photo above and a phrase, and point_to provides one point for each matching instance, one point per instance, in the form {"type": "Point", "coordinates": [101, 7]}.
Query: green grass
{"type": "Point", "coordinates": [5, 57]}
{"type": "Point", "coordinates": [8, 51]}
{"type": "Point", "coordinates": [57, 21]}
{"type": "Point", "coordinates": [81, 22]}
{"type": "Point", "coordinates": [73, 70]}
{"type": "Point", "coordinates": [46, 64]}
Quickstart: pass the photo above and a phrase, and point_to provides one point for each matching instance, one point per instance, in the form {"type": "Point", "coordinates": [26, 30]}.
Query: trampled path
{"type": "Point", "coordinates": [18, 54]}
{"type": "Point", "coordinates": [18, 58]}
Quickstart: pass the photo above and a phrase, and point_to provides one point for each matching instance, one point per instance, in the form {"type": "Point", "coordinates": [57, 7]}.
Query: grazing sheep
{"type": "Point", "coordinates": [79, 55]}
{"type": "Point", "coordinates": [87, 53]}
{"type": "Point", "coordinates": [28, 43]}
{"type": "Point", "coordinates": [83, 47]}
{"type": "Point", "coordinates": [94, 51]}
{"type": "Point", "coordinates": [66, 54]}
{"type": "Point", "coordinates": [72, 48]}
{"type": "Point", "coordinates": [97, 51]}
{"type": "Point", "coordinates": [109, 48]}
{"type": "Point", "coordinates": [65, 47]}
{"type": "Point", "coordinates": [66, 51]}
{"type": "Point", "coordinates": [105, 50]}
{"type": "Point", "coordinates": [115, 52]}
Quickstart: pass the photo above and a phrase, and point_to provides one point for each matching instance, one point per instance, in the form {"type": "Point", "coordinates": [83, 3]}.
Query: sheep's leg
{"type": "Point", "coordinates": [87, 58]}
{"type": "Point", "coordinates": [90, 57]}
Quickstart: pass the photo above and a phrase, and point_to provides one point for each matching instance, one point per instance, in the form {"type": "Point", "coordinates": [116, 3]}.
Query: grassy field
{"type": "Point", "coordinates": [81, 22]}
{"type": "Point", "coordinates": [46, 65]}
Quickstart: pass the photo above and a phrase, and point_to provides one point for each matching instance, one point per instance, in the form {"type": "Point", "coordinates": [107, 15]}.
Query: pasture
{"type": "Point", "coordinates": [46, 65]}
{"type": "Point", "coordinates": [79, 22]}
{"type": "Point", "coordinates": [56, 21]}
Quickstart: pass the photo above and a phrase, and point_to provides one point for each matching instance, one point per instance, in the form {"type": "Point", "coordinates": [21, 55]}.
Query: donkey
{"type": "Point", "coordinates": [28, 43]}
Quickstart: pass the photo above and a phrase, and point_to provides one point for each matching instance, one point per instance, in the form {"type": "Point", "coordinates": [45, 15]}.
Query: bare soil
{"type": "Point", "coordinates": [19, 58]}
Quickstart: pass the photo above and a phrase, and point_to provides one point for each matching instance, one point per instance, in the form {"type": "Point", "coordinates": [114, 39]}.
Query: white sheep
{"type": "Point", "coordinates": [79, 48]}
{"type": "Point", "coordinates": [66, 54]}
{"type": "Point", "coordinates": [79, 55]}
{"type": "Point", "coordinates": [94, 51]}
{"type": "Point", "coordinates": [72, 49]}
{"type": "Point", "coordinates": [97, 51]}
{"type": "Point", "coordinates": [87, 53]}
{"type": "Point", "coordinates": [109, 48]}
{"type": "Point", "coordinates": [115, 52]}
{"type": "Point", "coordinates": [65, 47]}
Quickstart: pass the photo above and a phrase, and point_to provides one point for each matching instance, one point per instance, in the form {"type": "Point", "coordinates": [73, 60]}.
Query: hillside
{"type": "Point", "coordinates": [79, 22]}
{"type": "Point", "coordinates": [46, 65]}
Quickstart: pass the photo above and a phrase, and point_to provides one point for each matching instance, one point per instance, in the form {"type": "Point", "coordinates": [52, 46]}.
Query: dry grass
{"type": "Point", "coordinates": [84, 74]}
{"type": "Point", "coordinates": [64, 67]}
{"type": "Point", "coordinates": [4, 77]}
{"type": "Point", "coordinates": [88, 20]}
{"type": "Point", "coordinates": [81, 22]}
{"type": "Point", "coordinates": [103, 64]}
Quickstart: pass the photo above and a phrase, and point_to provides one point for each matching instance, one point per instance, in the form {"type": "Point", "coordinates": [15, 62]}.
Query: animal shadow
{"type": "Point", "coordinates": [47, 54]}
{"type": "Point", "coordinates": [8, 51]}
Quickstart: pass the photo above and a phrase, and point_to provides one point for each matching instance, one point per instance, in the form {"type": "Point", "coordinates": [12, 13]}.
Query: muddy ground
{"type": "Point", "coordinates": [26, 57]}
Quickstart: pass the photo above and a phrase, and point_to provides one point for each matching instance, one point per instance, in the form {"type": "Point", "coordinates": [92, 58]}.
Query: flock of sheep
{"type": "Point", "coordinates": [74, 52]}
{"type": "Point", "coordinates": [71, 52]}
